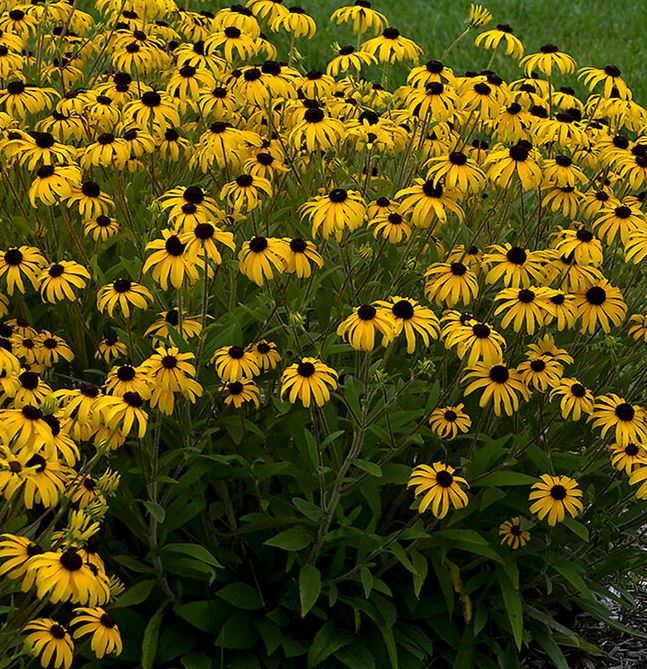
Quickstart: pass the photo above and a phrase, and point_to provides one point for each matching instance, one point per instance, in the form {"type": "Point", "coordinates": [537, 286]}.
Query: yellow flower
{"type": "Point", "coordinates": [440, 486]}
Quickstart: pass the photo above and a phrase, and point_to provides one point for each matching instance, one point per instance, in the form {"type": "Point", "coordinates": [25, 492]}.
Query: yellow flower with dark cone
{"type": "Point", "coordinates": [501, 385]}
{"type": "Point", "coordinates": [90, 200]}
{"type": "Point", "coordinates": [104, 631]}
{"type": "Point", "coordinates": [169, 322]}
{"type": "Point", "coordinates": [234, 363]}
{"type": "Point", "coordinates": [519, 162]}
{"type": "Point", "coordinates": [238, 393]}
{"type": "Point", "coordinates": [600, 305]}
{"type": "Point", "coordinates": [628, 457]}
{"type": "Point", "coordinates": [100, 228]}
{"type": "Point", "coordinates": [610, 76]}
{"type": "Point", "coordinates": [315, 131]}
{"type": "Point", "coordinates": [450, 283]}
{"type": "Point", "coordinates": [390, 226]}
{"type": "Point", "coordinates": [548, 57]}
{"type": "Point", "coordinates": [245, 193]}
{"type": "Point", "coordinates": [360, 328]}
{"type": "Point", "coordinates": [475, 339]}
{"type": "Point", "coordinates": [15, 553]}
{"type": "Point", "coordinates": [512, 535]}
{"type": "Point", "coordinates": [517, 266]}
{"type": "Point", "coordinates": [525, 309]}
{"type": "Point", "coordinates": [427, 202]}
{"type": "Point", "coordinates": [17, 264]}
{"type": "Point", "coordinates": [502, 34]}
{"type": "Point", "coordinates": [440, 487]}
{"type": "Point", "coordinates": [171, 259]}
{"type": "Point", "coordinates": [457, 171]}
{"type": "Point", "coordinates": [54, 183]}
{"type": "Point", "coordinates": [340, 209]}
{"type": "Point", "coordinates": [619, 220]}
{"type": "Point", "coordinates": [261, 257]}
{"type": "Point", "coordinates": [541, 373]}
{"type": "Point", "coordinates": [123, 413]}
{"type": "Point", "coordinates": [123, 293]}
{"type": "Point", "coordinates": [555, 496]}
{"type": "Point", "coordinates": [50, 642]}
{"type": "Point", "coordinates": [111, 348]}
{"type": "Point", "coordinates": [60, 280]}
{"type": "Point", "coordinates": [638, 329]}
{"type": "Point", "coordinates": [309, 381]}
{"type": "Point", "coordinates": [267, 354]}
{"type": "Point", "coordinates": [413, 319]}
{"type": "Point", "coordinates": [576, 399]}
{"type": "Point", "coordinates": [296, 22]}
{"type": "Point", "coordinates": [628, 421]}
{"type": "Point", "coordinates": [392, 47]}
{"type": "Point", "coordinates": [361, 15]}
{"type": "Point", "coordinates": [446, 422]}
{"type": "Point", "coordinates": [348, 58]}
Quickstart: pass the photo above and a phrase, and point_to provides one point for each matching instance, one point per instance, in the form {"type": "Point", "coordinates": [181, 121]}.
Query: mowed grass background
{"type": "Point", "coordinates": [594, 32]}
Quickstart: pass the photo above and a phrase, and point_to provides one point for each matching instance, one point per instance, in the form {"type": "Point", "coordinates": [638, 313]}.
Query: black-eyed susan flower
{"type": "Point", "coordinates": [476, 340]}
{"type": "Point", "coordinates": [619, 221]}
{"type": "Point", "coordinates": [427, 202]}
{"type": "Point", "coordinates": [244, 194]}
{"type": "Point", "coordinates": [440, 487]}
{"type": "Point", "coordinates": [267, 354]}
{"type": "Point", "coordinates": [628, 421]}
{"type": "Point", "coordinates": [123, 413]}
{"type": "Point", "coordinates": [233, 363]}
{"type": "Point", "coordinates": [512, 534]}
{"type": "Point", "coordinates": [638, 327]}
{"type": "Point", "coordinates": [450, 283]}
{"type": "Point", "coordinates": [309, 380]}
{"type": "Point", "coordinates": [517, 266]}
{"type": "Point", "coordinates": [456, 171]}
{"type": "Point", "coordinates": [639, 478]}
{"type": "Point", "coordinates": [21, 99]}
{"type": "Point", "coordinates": [295, 22]}
{"type": "Point", "coordinates": [554, 496]}
{"type": "Point", "coordinates": [17, 264]}
{"type": "Point", "coordinates": [610, 76]}
{"type": "Point", "coordinates": [601, 304]}
{"type": "Point", "coordinates": [348, 58]}
{"type": "Point", "coordinates": [316, 131]}
{"type": "Point", "coordinates": [111, 348]}
{"type": "Point", "coordinates": [54, 183]}
{"type": "Point", "coordinates": [541, 373]}
{"type": "Point", "coordinates": [152, 110]}
{"type": "Point", "coordinates": [302, 255]}
{"type": "Point", "coordinates": [628, 457]}
{"type": "Point", "coordinates": [90, 200]}
{"type": "Point", "coordinates": [60, 281]}
{"type": "Point", "coordinates": [340, 209]}
{"type": "Point", "coordinates": [15, 552]}
{"type": "Point", "coordinates": [521, 161]}
{"type": "Point", "coordinates": [261, 257]}
{"type": "Point", "coordinates": [502, 34]}
{"type": "Point", "coordinates": [392, 47]}
{"type": "Point", "coordinates": [361, 327]}
{"type": "Point", "coordinates": [123, 293]}
{"type": "Point", "coordinates": [241, 392]}
{"type": "Point", "coordinates": [501, 385]}
{"type": "Point", "coordinates": [436, 102]}
{"type": "Point", "coordinates": [447, 421]}
{"type": "Point", "coordinates": [582, 243]}
{"type": "Point", "coordinates": [413, 319]}
{"type": "Point", "coordinates": [171, 370]}
{"type": "Point", "coordinates": [479, 16]}
{"type": "Point", "coordinates": [101, 227]}
{"type": "Point", "coordinates": [576, 399]}
{"type": "Point", "coordinates": [51, 642]}
{"type": "Point", "coordinates": [104, 631]}
{"type": "Point", "coordinates": [171, 260]}
{"type": "Point", "coordinates": [482, 99]}
{"type": "Point", "coordinates": [392, 227]}
{"type": "Point", "coordinates": [548, 57]}
{"type": "Point", "coordinates": [361, 15]}
{"type": "Point", "coordinates": [168, 322]}
{"type": "Point", "coordinates": [524, 308]}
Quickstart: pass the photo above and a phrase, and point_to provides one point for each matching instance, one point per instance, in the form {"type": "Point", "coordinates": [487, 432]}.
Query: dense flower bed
{"type": "Point", "coordinates": [337, 367]}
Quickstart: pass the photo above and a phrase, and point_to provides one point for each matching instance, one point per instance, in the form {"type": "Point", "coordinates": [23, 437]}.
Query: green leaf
{"type": "Point", "coordinates": [242, 596]}
{"type": "Point", "coordinates": [577, 528]}
{"type": "Point", "coordinates": [193, 550]}
{"type": "Point", "coordinates": [137, 593]}
{"type": "Point", "coordinates": [368, 467]}
{"type": "Point", "coordinates": [503, 478]}
{"type": "Point", "coordinates": [151, 636]}
{"type": "Point", "coordinates": [367, 581]}
{"type": "Point", "coordinates": [294, 539]}
{"type": "Point", "coordinates": [421, 567]}
{"type": "Point", "coordinates": [206, 616]}
{"type": "Point", "coordinates": [309, 588]}
{"type": "Point", "coordinates": [548, 645]}
{"type": "Point", "coordinates": [571, 573]}
{"type": "Point", "coordinates": [513, 607]}
{"type": "Point", "coordinates": [238, 632]}
{"type": "Point", "coordinates": [155, 510]}
{"type": "Point", "coordinates": [196, 660]}
{"type": "Point", "coordinates": [391, 648]}
{"type": "Point", "coordinates": [328, 640]}
{"type": "Point", "coordinates": [355, 657]}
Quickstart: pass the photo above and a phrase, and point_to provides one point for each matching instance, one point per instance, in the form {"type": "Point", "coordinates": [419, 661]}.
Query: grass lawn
{"type": "Point", "coordinates": [594, 32]}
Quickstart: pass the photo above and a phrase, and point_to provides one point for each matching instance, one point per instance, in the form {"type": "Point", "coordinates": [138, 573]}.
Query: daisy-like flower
{"type": "Point", "coordinates": [601, 304]}
{"type": "Point", "coordinates": [500, 384]}
{"type": "Point", "coordinates": [576, 399]}
{"type": "Point", "coordinates": [301, 257]}
{"type": "Point", "coordinates": [309, 380]}
{"type": "Point", "coordinates": [244, 194]}
{"type": "Point", "coordinates": [361, 15]}
{"type": "Point", "coordinates": [170, 259]}
{"type": "Point", "coordinates": [169, 321]}
{"type": "Point", "coordinates": [427, 202]}
{"type": "Point", "coordinates": [446, 422]}
{"type": "Point", "coordinates": [440, 487]}
{"type": "Point", "coordinates": [234, 363]}
{"type": "Point", "coordinates": [524, 308]}
{"type": "Point", "coordinates": [104, 631]}
{"type": "Point", "coordinates": [315, 131]}
{"type": "Point", "coordinates": [390, 226]}
{"type": "Point", "coordinates": [100, 227]}
{"type": "Point", "coordinates": [340, 209]}
{"type": "Point", "coordinates": [555, 496]}
{"type": "Point", "coordinates": [611, 412]}
{"type": "Point", "coordinates": [457, 171]}
{"type": "Point", "coordinates": [260, 257]}
{"type": "Point", "coordinates": [548, 57]}
{"type": "Point", "coordinates": [294, 21]}
{"type": "Point", "coordinates": [520, 161]}
{"type": "Point", "coordinates": [243, 391]}
{"type": "Point", "coordinates": [628, 457]}
{"type": "Point", "coordinates": [541, 373]}
{"type": "Point", "coordinates": [17, 264]}
{"type": "Point", "coordinates": [267, 354]}
{"type": "Point", "coordinates": [348, 58]}
{"type": "Point", "coordinates": [15, 553]}
{"type": "Point", "coordinates": [123, 293]}
{"type": "Point", "coordinates": [51, 642]}
{"type": "Point", "coordinates": [475, 339]}
{"type": "Point", "coordinates": [123, 413]}
{"type": "Point", "coordinates": [54, 183]}
{"type": "Point", "coordinates": [638, 327]}
{"type": "Point", "coordinates": [360, 328]}
{"type": "Point", "coordinates": [619, 221]}
{"type": "Point", "coordinates": [413, 319]}
{"type": "Point", "coordinates": [392, 47]}
{"type": "Point", "coordinates": [582, 243]}
{"type": "Point", "coordinates": [613, 85]}
{"type": "Point", "coordinates": [110, 348]}
{"type": "Point", "coordinates": [512, 535]}
{"type": "Point", "coordinates": [492, 39]}
{"type": "Point", "coordinates": [60, 280]}
{"type": "Point", "coordinates": [450, 283]}
{"type": "Point", "coordinates": [517, 266]}
{"type": "Point", "coordinates": [91, 201]}
{"type": "Point", "coordinates": [436, 102]}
